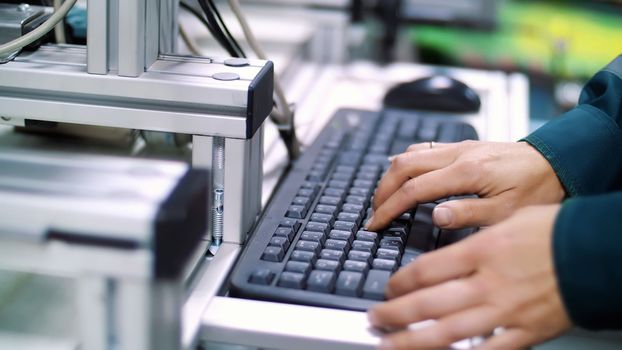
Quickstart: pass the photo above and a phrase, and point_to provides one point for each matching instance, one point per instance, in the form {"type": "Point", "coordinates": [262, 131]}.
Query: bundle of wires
{"type": "Point", "coordinates": [282, 114]}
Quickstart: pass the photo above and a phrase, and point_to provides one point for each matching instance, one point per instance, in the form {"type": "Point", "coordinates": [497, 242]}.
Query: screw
{"type": "Point", "coordinates": [23, 7]}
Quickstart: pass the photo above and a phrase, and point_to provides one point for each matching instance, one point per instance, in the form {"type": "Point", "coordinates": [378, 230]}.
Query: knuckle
{"type": "Point", "coordinates": [409, 188]}
{"type": "Point", "coordinates": [400, 162]}
{"type": "Point", "coordinates": [471, 169]}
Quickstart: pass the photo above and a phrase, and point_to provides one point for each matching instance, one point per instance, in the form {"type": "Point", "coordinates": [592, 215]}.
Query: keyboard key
{"type": "Point", "coordinates": [383, 253]}
{"type": "Point", "coordinates": [367, 236]}
{"type": "Point", "coordinates": [341, 235]}
{"type": "Point", "coordinates": [364, 183]}
{"type": "Point", "coordinates": [336, 201]}
{"type": "Point", "coordinates": [326, 209]}
{"type": "Point", "coordinates": [335, 192]}
{"type": "Point", "coordinates": [361, 192]}
{"type": "Point", "coordinates": [360, 256]}
{"type": "Point", "coordinates": [306, 192]}
{"type": "Point", "coordinates": [309, 246]}
{"type": "Point", "coordinates": [409, 256]}
{"type": "Point", "coordinates": [274, 254]}
{"type": "Point", "coordinates": [337, 244]}
{"type": "Point", "coordinates": [364, 246]}
{"type": "Point", "coordinates": [384, 264]}
{"type": "Point", "coordinates": [261, 276]}
{"type": "Point", "coordinates": [304, 256]}
{"type": "Point", "coordinates": [351, 217]}
{"type": "Point", "coordinates": [311, 185]}
{"type": "Point", "coordinates": [370, 168]}
{"type": "Point", "coordinates": [377, 159]}
{"type": "Point", "coordinates": [312, 236]}
{"type": "Point", "coordinates": [293, 223]}
{"type": "Point", "coordinates": [302, 201]}
{"type": "Point", "coordinates": [323, 218]}
{"type": "Point", "coordinates": [338, 184]}
{"type": "Point", "coordinates": [286, 232]}
{"type": "Point", "coordinates": [406, 218]}
{"type": "Point", "coordinates": [321, 281]}
{"type": "Point", "coordinates": [349, 283]}
{"type": "Point", "coordinates": [366, 176]}
{"type": "Point", "coordinates": [292, 280]}
{"type": "Point", "coordinates": [330, 254]}
{"type": "Point", "coordinates": [296, 212]}
{"type": "Point", "coordinates": [353, 208]}
{"type": "Point", "coordinates": [356, 200]}
{"type": "Point", "coordinates": [391, 244]}
{"type": "Point", "coordinates": [427, 131]}
{"type": "Point", "coordinates": [316, 176]}
{"type": "Point", "coordinates": [342, 177]}
{"type": "Point", "coordinates": [345, 226]}
{"type": "Point", "coordinates": [279, 241]}
{"type": "Point", "coordinates": [298, 267]}
{"type": "Point", "coordinates": [345, 169]}
{"type": "Point", "coordinates": [317, 227]}
{"type": "Point", "coordinates": [357, 266]}
{"type": "Point", "coordinates": [375, 284]}
{"type": "Point", "coordinates": [327, 265]}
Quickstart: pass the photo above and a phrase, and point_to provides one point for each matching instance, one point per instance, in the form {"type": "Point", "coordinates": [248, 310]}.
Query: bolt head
{"type": "Point", "coordinates": [23, 7]}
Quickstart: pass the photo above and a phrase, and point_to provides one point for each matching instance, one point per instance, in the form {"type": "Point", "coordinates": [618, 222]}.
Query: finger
{"type": "Point", "coordinates": [430, 303]}
{"type": "Point", "coordinates": [408, 165]}
{"type": "Point", "coordinates": [426, 145]}
{"type": "Point", "coordinates": [471, 212]}
{"type": "Point", "coordinates": [510, 339]}
{"type": "Point", "coordinates": [465, 324]}
{"type": "Point", "coordinates": [424, 188]}
{"type": "Point", "coordinates": [432, 268]}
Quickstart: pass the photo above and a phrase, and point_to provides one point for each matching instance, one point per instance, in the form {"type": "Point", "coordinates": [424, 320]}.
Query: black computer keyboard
{"type": "Point", "coordinates": [310, 246]}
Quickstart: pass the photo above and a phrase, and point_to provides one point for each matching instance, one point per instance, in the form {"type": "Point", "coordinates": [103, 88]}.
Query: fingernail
{"type": "Point", "coordinates": [369, 222]}
{"type": "Point", "coordinates": [442, 216]}
{"type": "Point", "coordinates": [386, 344]}
{"type": "Point", "coordinates": [391, 158]}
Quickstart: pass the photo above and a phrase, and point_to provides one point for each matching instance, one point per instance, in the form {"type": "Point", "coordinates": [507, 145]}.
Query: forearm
{"type": "Point", "coordinates": [587, 251]}
{"type": "Point", "coordinates": [583, 145]}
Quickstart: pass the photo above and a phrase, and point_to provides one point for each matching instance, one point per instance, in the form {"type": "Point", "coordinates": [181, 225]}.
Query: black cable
{"type": "Point", "coordinates": [196, 13]}
{"type": "Point", "coordinates": [217, 31]}
{"type": "Point", "coordinates": [226, 29]}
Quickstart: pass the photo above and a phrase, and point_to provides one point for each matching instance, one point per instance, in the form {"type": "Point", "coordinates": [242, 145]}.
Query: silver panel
{"type": "Point", "coordinates": [81, 195]}
{"type": "Point", "coordinates": [186, 85]}
{"type": "Point", "coordinates": [131, 37]}
{"type": "Point", "coordinates": [169, 29]}
{"type": "Point", "coordinates": [236, 158]}
{"type": "Point", "coordinates": [14, 17]}
{"type": "Point", "coordinates": [152, 30]}
{"type": "Point", "coordinates": [97, 36]}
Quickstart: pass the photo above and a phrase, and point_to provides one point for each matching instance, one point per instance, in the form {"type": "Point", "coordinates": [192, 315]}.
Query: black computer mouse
{"type": "Point", "coordinates": [436, 93]}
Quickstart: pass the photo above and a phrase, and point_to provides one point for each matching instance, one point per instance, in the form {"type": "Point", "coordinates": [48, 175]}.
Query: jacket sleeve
{"type": "Point", "coordinates": [587, 253]}
{"type": "Point", "coordinates": [584, 146]}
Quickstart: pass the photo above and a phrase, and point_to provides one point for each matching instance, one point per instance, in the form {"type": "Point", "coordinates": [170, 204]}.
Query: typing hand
{"type": "Point", "coordinates": [500, 277]}
{"type": "Point", "coordinates": [506, 176]}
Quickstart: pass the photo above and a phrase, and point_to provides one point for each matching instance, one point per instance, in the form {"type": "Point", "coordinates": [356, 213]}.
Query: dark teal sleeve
{"type": "Point", "coordinates": [587, 251]}
{"type": "Point", "coordinates": [584, 146]}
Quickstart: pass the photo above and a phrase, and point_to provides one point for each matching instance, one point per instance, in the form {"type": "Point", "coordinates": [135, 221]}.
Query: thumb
{"type": "Point", "coordinates": [470, 212]}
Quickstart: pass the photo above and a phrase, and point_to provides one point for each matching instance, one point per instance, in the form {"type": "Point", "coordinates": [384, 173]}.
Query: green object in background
{"type": "Point", "coordinates": [563, 40]}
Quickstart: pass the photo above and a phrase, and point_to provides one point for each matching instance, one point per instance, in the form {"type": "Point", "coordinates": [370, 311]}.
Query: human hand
{"type": "Point", "coordinates": [506, 176]}
{"type": "Point", "coordinates": [502, 276]}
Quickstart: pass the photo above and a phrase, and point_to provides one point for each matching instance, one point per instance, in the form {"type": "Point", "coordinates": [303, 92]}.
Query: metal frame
{"type": "Point", "coordinates": [129, 77]}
